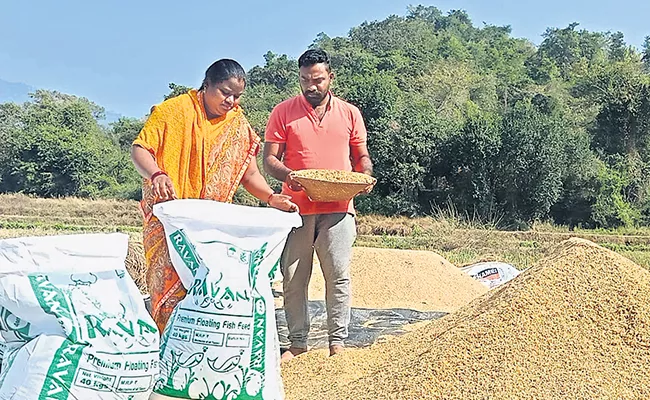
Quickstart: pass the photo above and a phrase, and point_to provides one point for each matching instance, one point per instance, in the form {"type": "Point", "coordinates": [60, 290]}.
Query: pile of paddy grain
{"type": "Point", "coordinates": [418, 280]}
{"type": "Point", "coordinates": [576, 325]}
{"type": "Point", "coordinates": [136, 265]}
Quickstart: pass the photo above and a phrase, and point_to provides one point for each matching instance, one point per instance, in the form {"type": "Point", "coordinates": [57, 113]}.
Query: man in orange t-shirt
{"type": "Point", "coordinates": [316, 130]}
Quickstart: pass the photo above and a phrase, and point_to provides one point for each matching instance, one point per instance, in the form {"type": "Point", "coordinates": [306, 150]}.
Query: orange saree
{"type": "Point", "coordinates": [205, 159]}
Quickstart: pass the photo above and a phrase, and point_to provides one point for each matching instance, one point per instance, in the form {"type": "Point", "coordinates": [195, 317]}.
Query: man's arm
{"type": "Point", "coordinates": [272, 161]}
{"type": "Point", "coordinates": [275, 167]}
{"type": "Point", "coordinates": [361, 159]}
{"type": "Point", "coordinates": [361, 162]}
{"type": "Point", "coordinates": [358, 144]}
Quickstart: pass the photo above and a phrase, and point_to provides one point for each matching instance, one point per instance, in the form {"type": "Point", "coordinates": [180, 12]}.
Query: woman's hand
{"type": "Point", "coordinates": [163, 188]}
{"type": "Point", "coordinates": [282, 202]}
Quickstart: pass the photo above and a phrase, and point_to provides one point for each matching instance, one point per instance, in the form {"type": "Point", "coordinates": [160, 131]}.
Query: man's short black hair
{"type": "Point", "coordinates": [312, 57]}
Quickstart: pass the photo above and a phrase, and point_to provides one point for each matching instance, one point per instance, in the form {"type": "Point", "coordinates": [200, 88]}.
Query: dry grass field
{"type": "Point", "coordinates": [459, 241]}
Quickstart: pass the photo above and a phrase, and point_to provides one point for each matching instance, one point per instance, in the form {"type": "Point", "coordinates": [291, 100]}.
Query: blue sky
{"type": "Point", "coordinates": [122, 54]}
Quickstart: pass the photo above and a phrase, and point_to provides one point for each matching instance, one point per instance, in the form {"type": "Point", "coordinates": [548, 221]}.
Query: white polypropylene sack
{"type": "Point", "coordinates": [75, 323]}
{"type": "Point", "coordinates": [3, 346]}
{"type": "Point", "coordinates": [492, 274]}
{"type": "Point", "coordinates": [77, 371]}
{"type": "Point", "coordinates": [221, 341]}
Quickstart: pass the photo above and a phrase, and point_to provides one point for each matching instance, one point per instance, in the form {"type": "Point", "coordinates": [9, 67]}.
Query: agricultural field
{"type": "Point", "coordinates": [571, 305]}
{"type": "Point", "coordinates": [460, 241]}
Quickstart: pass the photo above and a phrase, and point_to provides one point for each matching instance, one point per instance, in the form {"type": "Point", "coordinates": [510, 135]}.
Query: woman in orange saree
{"type": "Point", "coordinates": [198, 145]}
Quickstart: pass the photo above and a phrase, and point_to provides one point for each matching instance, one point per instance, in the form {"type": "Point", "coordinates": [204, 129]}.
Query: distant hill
{"type": "Point", "coordinates": [17, 92]}
{"type": "Point", "coordinates": [14, 92]}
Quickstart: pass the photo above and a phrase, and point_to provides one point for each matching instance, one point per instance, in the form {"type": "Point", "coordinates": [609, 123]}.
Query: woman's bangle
{"type": "Point", "coordinates": [268, 201]}
{"type": "Point", "coordinates": [157, 174]}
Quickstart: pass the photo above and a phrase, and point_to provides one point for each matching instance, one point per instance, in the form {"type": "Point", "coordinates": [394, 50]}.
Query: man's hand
{"type": "Point", "coordinates": [292, 183]}
{"type": "Point", "coordinates": [371, 186]}
{"type": "Point", "coordinates": [368, 189]}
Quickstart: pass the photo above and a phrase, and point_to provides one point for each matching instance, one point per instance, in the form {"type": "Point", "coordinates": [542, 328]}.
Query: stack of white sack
{"type": "Point", "coordinates": [74, 322]}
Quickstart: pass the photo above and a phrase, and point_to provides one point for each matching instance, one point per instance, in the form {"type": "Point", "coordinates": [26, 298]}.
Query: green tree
{"type": "Point", "coordinates": [646, 53]}
{"type": "Point", "coordinates": [622, 92]}
{"type": "Point", "coordinates": [176, 90]}
{"type": "Point", "coordinates": [612, 207]}
{"type": "Point", "coordinates": [279, 71]}
{"type": "Point", "coordinates": [470, 168]}
{"type": "Point", "coordinates": [124, 131]}
{"type": "Point", "coordinates": [567, 53]}
{"type": "Point", "coordinates": [618, 50]}
{"type": "Point", "coordinates": [55, 147]}
{"type": "Point", "coordinates": [531, 163]}
{"type": "Point", "coordinates": [267, 86]}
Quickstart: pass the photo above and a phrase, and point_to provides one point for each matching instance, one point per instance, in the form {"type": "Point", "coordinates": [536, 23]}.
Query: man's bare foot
{"type": "Point", "coordinates": [336, 349]}
{"type": "Point", "coordinates": [291, 353]}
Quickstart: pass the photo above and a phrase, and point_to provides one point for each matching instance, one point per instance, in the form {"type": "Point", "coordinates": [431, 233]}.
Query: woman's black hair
{"type": "Point", "coordinates": [222, 70]}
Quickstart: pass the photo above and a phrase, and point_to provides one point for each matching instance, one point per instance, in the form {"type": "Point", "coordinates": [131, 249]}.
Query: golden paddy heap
{"type": "Point", "coordinates": [576, 325]}
{"type": "Point", "coordinates": [388, 278]}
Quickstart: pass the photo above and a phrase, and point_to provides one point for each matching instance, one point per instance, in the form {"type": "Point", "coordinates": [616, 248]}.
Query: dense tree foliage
{"type": "Point", "coordinates": [54, 146]}
{"type": "Point", "coordinates": [456, 114]}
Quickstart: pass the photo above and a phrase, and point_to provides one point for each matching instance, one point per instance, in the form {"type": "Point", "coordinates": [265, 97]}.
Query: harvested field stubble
{"type": "Point", "coordinates": [576, 325]}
